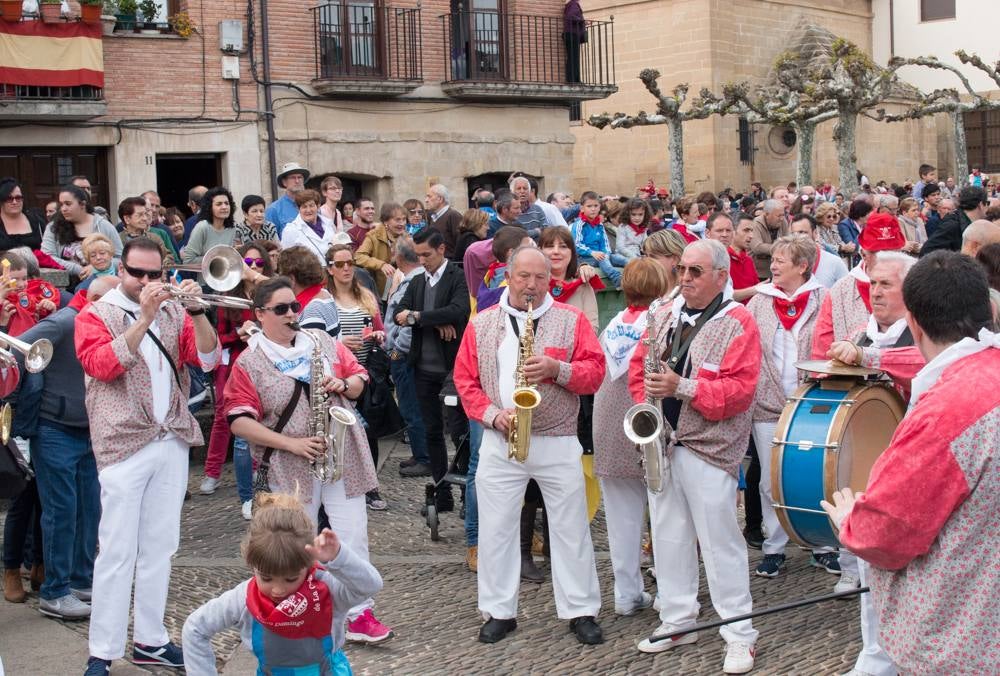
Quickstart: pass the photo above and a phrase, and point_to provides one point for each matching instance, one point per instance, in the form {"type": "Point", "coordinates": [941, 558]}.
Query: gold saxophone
{"type": "Point", "coordinates": [326, 420]}
{"type": "Point", "coordinates": [644, 424]}
{"type": "Point", "coordinates": [526, 397]}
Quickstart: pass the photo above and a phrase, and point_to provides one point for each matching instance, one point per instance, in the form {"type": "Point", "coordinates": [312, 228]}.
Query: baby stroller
{"type": "Point", "coordinates": [457, 470]}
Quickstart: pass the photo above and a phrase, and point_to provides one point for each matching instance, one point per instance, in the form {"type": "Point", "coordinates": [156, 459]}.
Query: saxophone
{"type": "Point", "coordinates": [326, 420]}
{"type": "Point", "coordinates": [526, 397]}
{"type": "Point", "coordinates": [644, 424]}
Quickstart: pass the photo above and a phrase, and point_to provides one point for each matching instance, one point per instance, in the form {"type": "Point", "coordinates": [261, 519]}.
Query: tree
{"type": "Point", "coordinates": [950, 101]}
{"type": "Point", "coordinates": [668, 112]}
{"type": "Point", "coordinates": [848, 78]}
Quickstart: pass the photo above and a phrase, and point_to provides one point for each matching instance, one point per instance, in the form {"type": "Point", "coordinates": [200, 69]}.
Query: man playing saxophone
{"type": "Point", "coordinates": [271, 401]}
{"type": "Point", "coordinates": [567, 362]}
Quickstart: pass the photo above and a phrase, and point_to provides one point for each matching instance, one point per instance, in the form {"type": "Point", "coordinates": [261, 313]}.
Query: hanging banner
{"type": "Point", "coordinates": [39, 54]}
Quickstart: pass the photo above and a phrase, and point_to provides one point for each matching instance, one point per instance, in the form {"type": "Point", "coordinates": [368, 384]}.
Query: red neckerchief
{"type": "Point", "coordinates": [789, 311]}
{"type": "Point", "coordinates": [596, 221]}
{"type": "Point", "coordinates": [637, 308]}
{"type": "Point", "coordinates": [308, 294]}
{"type": "Point", "coordinates": [681, 227]}
{"type": "Point", "coordinates": [305, 613]}
{"type": "Point", "coordinates": [79, 300]}
{"type": "Point", "coordinates": [865, 290]}
{"type": "Point", "coordinates": [562, 291]}
{"type": "Point", "coordinates": [637, 229]}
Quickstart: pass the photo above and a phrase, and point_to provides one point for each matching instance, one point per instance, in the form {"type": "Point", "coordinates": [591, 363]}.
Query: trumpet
{"type": "Point", "coordinates": [221, 267]}
{"type": "Point", "coordinates": [37, 355]}
{"type": "Point", "coordinates": [209, 299]}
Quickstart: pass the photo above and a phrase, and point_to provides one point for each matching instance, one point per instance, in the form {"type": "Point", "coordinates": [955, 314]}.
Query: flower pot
{"type": "Point", "coordinates": [11, 10]}
{"type": "Point", "coordinates": [108, 24]}
{"type": "Point", "coordinates": [51, 13]}
{"type": "Point", "coordinates": [90, 13]}
{"type": "Point", "coordinates": [125, 22]}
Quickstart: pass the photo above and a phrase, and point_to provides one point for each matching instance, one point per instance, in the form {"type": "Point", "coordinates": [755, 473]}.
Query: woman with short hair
{"type": "Point", "coordinates": [415, 221]}
{"type": "Point", "coordinates": [254, 225]}
{"type": "Point", "coordinates": [309, 229]}
{"type": "Point", "coordinates": [331, 190]}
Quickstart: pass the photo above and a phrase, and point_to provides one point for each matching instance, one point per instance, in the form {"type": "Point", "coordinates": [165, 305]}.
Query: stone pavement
{"type": "Point", "coordinates": [429, 599]}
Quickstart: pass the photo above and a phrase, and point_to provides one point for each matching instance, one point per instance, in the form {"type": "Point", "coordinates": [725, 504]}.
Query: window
{"type": "Point", "coordinates": [933, 10]}
{"type": "Point", "coordinates": [982, 139]}
{"type": "Point", "coordinates": [350, 38]}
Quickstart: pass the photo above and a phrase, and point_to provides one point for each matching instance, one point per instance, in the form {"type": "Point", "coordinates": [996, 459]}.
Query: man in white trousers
{"type": "Point", "coordinates": [567, 362]}
{"type": "Point", "coordinates": [711, 361]}
{"type": "Point", "coordinates": [134, 345]}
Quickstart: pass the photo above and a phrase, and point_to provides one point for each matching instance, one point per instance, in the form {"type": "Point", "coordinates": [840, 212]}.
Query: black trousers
{"type": "Point", "coordinates": [428, 386]}
{"type": "Point", "coordinates": [751, 496]}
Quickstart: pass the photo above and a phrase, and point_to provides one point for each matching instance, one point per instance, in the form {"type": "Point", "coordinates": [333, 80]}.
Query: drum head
{"type": "Point", "coordinates": [863, 431]}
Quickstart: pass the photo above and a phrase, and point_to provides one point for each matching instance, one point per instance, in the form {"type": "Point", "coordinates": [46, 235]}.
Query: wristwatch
{"type": "Point", "coordinates": [412, 318]}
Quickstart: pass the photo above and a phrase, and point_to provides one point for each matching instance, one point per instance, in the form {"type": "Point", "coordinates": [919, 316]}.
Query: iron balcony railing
{"type": "Point", "coordinates": [367, 40]}
{"type": "Point", "coordinates": [10, 92]}
{"type": "Point", "coordinates": [529, 49]}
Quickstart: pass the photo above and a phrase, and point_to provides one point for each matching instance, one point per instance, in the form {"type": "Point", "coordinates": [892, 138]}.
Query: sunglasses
{"type": "Point", "coordinates": [139, 273]}
{"type": "Point", "coordinates": [259, 262]}
{"type": "Point", "coordinates": [695, 271]}
{"type": "Point", "coordinates": [15, 198]}
{"type": "Point", "coordinates": [416, 211]}
{"type": "Point", "coordinates": [341, 264]}
{"type": "Point", "coordinates": [283, 308]}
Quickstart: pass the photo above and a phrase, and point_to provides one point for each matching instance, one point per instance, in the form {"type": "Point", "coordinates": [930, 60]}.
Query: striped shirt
{"type": "Point", "coordinates": [353, 320]}
{"type": "Point", "coordinates": [321, 313]}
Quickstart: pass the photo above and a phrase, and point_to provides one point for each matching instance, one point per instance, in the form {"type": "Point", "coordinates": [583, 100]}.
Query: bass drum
{"type": "Point", "coordinates": [829, 436]}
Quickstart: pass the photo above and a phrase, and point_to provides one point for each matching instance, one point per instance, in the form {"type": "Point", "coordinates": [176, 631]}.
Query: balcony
{"type": "Point", "coordinates": [498, 55]}
{"type": "Point", "coordinates": [366, 50]}
{"type": "Point", "coordinates": [30, 102]}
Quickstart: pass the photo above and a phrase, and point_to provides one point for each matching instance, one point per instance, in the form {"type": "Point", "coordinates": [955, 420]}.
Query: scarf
{"type": "Point", "coordinates": [536, 311]}
{"type": "Point", "coordinates": [889, 337]}
{"type": "Point", "coordinates": [864, 284]}
{"type": "Point", "coordinates": [637, 229]}
{"type": "Point", "coordinates": [305, 613]}
{"type": "Point", "coordinates": [307, 294]}
{"type": "Point", "coordinates": [495, 274]}
{"type": "Point", "coordinates": [562, 291]}
{"type": "Point", "coordinates": [620, 338]}
{"type": "Point", "coordinates": [681, 227]}
{"type": "Point", "coordinates": [595, 222]}
{"type": "Point", "coordinates": [316, 226]}
{"type": "Point", "coordinates": [294, 361]}
{"type": "Point", "coordinates": [789, 309]}
{"type": "Point", "coordinates": [932, 371]}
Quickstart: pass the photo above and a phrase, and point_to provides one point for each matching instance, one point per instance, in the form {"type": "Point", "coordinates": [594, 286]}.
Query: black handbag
{"type": "Point", "coordinates": [260, 480]}
{"type": "Point", "coordinates": [15, 472]}
{"type": "Point", "coordinates": [377, 404]}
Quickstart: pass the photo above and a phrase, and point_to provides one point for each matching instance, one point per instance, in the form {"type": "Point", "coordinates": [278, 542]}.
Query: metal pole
{"type": "Point", "coordinates": [272, 161]}
{"type": "Point", "coordinates": [758, 613]}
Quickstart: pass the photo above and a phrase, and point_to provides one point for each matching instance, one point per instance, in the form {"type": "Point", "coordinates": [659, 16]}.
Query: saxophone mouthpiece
{"type": "Point", "coordinates": [295, 326]}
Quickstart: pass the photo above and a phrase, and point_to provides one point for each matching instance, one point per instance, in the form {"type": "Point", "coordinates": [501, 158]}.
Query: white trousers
{"type": "Point", "coordinates": [554, 462]}
{"type": "Point", "coordinates": [348, 519]}
{"type": "Point", "coordinates": [698, 506]}
{"type": "Point", "coordinates": [141, 499]}
{"type": "Point", "coordinates": [849, 563]}
{"type": "Point", "coordinates": [872, 659]}
{"type": "Point", "coordinates": [625, 511]}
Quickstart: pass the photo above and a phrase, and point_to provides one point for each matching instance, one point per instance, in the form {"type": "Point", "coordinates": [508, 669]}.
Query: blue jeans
{"type": "Point", "coordinates": [611, 265]}
{"type": "Point", "coordinates": [71, 506]}
{"type": "Point", "coordinates": [471, 503]}
{"type": "Point", "coordinates": [409, 408]}
{"type": "Point", "coordinates": [243, 468]}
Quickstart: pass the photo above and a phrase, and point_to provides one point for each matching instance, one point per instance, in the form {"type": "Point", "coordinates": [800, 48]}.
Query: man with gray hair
{"type": "Point", "coordinates": [508, 208]}
{"type": "Point", "coordinates": [397, 344]}
{"type": "Point", "coordinates": [977, 235]}
{"type": "Point", "coordinates": [443, 218]}
{"type": "Point", "coordinates": [767, 227]}
{"type": "Point", "coordinates": [532, 217]}
{"type": "Point", "coordinates": [710, 348]}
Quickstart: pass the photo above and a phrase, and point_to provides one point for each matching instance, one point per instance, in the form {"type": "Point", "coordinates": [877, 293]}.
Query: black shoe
{"type": "Point", "coordinates": [587, 630]}
{"type": "Point", "coordinates": [409, 462]}
{"type": "Point", "coordinates": [529, 571]}
{"type": "Point", "coordinates": [496, 630]}
{"type": "Point", "coordinates": [754, 537]}
{"type": "Point", "coordinates": [416, 469]}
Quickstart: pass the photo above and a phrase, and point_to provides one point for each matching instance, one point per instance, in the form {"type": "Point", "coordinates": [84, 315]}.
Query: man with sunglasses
{"type": "Point", "coordinates": [135, 346]}
{"type": "Point", "coordinates": [709, 351]}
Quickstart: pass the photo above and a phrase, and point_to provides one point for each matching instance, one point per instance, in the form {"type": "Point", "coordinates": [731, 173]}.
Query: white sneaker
{"type": "Point", "coordinates": [248, 510]}
{"type": "Point", "coordinates": [84, 595]}
{"type": "Point", "coordinates": [647, 645]}
{"type": "Point", "coordinates": [644, 601]}
{"type": "Point", "coordinates": [857, 672]}
{"type": "Point", "coordinates": [64, 608]}
{"type": "Point", "coordinates": [846, 583]}
{"type": "Point", "coordinates": [739, 658]}
{"type": "Point", "coordinates": [208, 485]}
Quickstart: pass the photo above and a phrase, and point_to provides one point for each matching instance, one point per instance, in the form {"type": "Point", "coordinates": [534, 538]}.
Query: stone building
{"type": "Point", "coordinates": [708, 43]}
{"type": "Point", "coordinates": [390, 96]}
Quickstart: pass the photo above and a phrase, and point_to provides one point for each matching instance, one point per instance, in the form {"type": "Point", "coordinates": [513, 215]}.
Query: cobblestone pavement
{"type": "Point", "coordinates": [429, 599]}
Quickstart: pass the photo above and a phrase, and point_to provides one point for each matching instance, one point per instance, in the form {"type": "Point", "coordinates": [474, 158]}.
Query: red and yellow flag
{"type": "Point", "coordinates": [39, 54]}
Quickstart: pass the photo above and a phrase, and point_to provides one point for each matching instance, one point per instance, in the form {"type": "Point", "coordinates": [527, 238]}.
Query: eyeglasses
{"type": "Point", "coordinates": [341, 264]}
{"type": "Point", "coordinates": [283, 308]}
{"type": "Point", "coordinates": [14, 198]}
{"type": "Point", "coordinates": [258, 262]}
{"type": "Point", "coordinates": [139, 273]}
{"type": "Point", "coordinates": [416, 211]}
{"type": "Point", "coordinates": [695, 271]}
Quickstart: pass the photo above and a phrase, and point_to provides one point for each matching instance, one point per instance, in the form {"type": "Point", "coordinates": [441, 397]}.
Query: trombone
{"type": "Point", "coordinates": [37, 356]}
{"type": "Point", "coordinates": [222, 269]}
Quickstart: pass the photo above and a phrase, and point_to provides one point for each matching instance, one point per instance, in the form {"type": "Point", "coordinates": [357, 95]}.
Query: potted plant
{"type": "Point", "coordinates": [149, 9]}
{"type": "Point", "coordinates": [51, 11]}
{"type": "Point", "coordinates": [11, 10]}
{"type": "Point", "coordinates": [182, 25]}
{"type": "Point", "coordinates": [125, 14]}
{"type": "Point", "coordinates": [108, 19]}
{"type": "Point", "coordinates": [90, 10]}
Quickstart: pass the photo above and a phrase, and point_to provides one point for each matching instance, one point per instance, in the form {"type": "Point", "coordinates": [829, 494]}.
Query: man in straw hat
{"type": "Point", "coordinates": [292, 178]}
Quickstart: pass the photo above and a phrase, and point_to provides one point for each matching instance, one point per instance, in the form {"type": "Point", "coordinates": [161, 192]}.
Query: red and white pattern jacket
{"type": "Point", "coordinates": [562, 333]}
{"type": "Point", "coordinates": [725, 362]}
{"type": "Point", "coordinates": [928, 525]}
{"type": "Point", "coordinates": [842, 314]}
{"type": "Point", "coordinates": [119, 384]}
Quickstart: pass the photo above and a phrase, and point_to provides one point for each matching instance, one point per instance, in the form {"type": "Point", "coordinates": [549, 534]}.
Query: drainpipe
{"type": "Point", "coordinates": [272, 162]}
{"type": "Point", "coordinates": [892, 30]}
